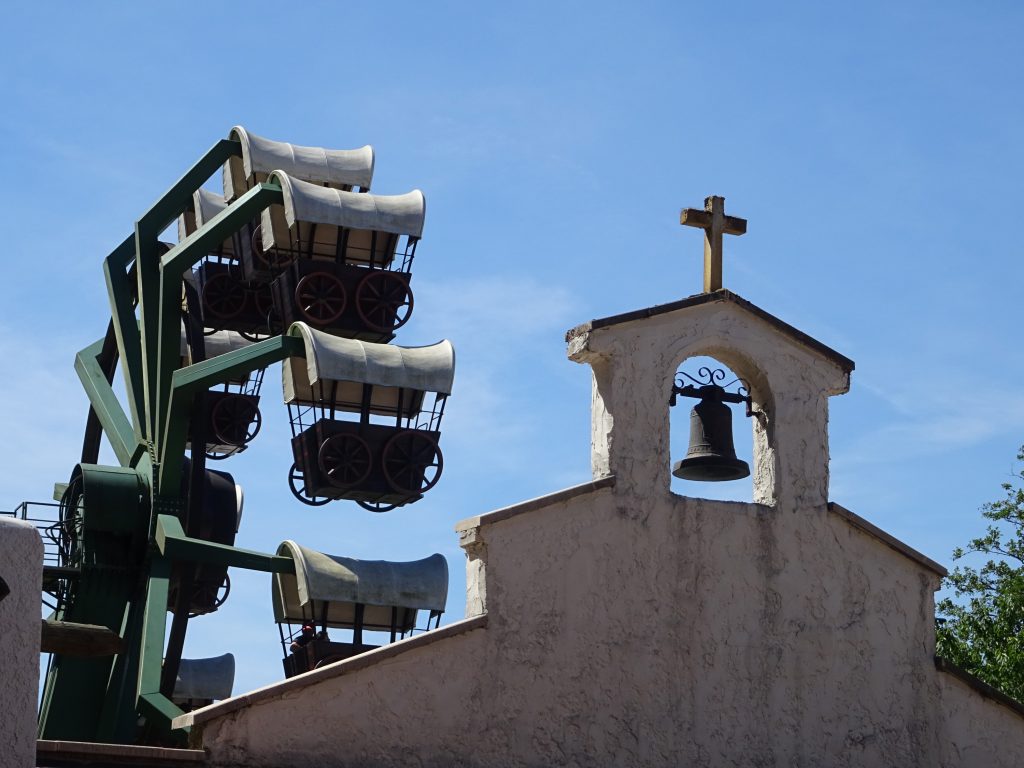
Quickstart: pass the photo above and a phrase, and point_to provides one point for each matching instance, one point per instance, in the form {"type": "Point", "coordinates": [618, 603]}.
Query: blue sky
{"type": "Point", "coordinates": [873, 147]}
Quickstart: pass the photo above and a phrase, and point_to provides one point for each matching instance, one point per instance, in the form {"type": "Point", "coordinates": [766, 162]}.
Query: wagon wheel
{"type": "Point", "coordinates": [345, 460]}
{"type": "Point", "coordinates": [264, 303]}
{"type": "Point", "coordinates": [273, 318]}
{"type": "Point", "coordinates": [274, 259]}
{"type": "Point", "coordinates": [297, 484]}
{"type": "Point", "coordinates": [223, 296]}
{"type": "Point", "coordinates": [376, 506]}
{"type": "Point", "coordinates": [384, 300]}
{"type": "Point", "coordinates": [320, 298]}
{"type": "Point", "coordinates": [236, 420]}
{"type": "Point", "coordinates": [213, 456]}
{"type": "Point", "coordinates": [412, 462]}
{"type": "Point", "coordinates": [262, 298]}
{"type": "Point", "coordinates": [216, 599]}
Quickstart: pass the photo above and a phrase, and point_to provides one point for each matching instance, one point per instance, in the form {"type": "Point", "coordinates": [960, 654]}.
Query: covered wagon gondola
{"type": "Point", "coordinates": [228, 300]}
{"type": "Point", "coordinates": [332, 592]}
{"type": "Point", "coordinates": [389, 453]}
{"type": "Point", "coordinates": [203, 681]}
{"type": "Point", "coordinates": [349, 257]}
{"type": "Point", "coordinates": [232, 413]}
{"type": "Point", "coordinates": [343, 169]}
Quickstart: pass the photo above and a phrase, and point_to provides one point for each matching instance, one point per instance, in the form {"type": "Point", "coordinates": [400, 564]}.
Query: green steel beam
{"type": "Point", "coordinates": [126, 329]}
{"type": "Point", "coordinates": [112, 418]}
{"type": "Point", "coordinates": [147, 229]}
{"type": "Point", "coordinates": [154, 626]}
{"type": "Point", "coordinates": [219, 228]}
{"type": "Point", "coordinates": [175, 545]}
{"type": "Point", "coordinates": [185, 382]}
{"type": "Point", "coordinates": [173, 265]}
{"type": "Point", "coordinates": [159, 711]}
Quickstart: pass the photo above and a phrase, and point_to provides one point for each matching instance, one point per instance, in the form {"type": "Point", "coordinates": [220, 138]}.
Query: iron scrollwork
{"type": "Point", "coordinates": [707, 383]}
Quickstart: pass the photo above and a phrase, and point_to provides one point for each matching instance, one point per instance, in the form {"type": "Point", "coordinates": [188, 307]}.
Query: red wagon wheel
{"type": "Point", "coordinates": [320, 298]}
{"type": "Point", "coordinates": [223, 296]}
{"type": "Point", "coordinates": [236, 420]}
{"type": "Point", "coordinates": [274, 259]}
{"type": "Point", "coordinates": [412, 462]}
{"type": "Point", "coordinates": [384, 300]}
{"type": "Point", "coordinates": [297, 485]}
{"type": "Point", "coordinates": [261, 298]}
{"type": "Point", "coordinates": [345, 460]}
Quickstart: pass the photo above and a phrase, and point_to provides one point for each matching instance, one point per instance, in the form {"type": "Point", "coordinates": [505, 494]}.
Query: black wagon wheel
{"type": "Point", "coordinates": [217, 456]}
{"type": "Point", "coordinates": [384, 300]}
{"type": "Point", "coordinates": [320, 298]}
{"type": "Point", "coordinates": [412, 462]}
{"type": "Point", "coordinates": [377, 506]}
{"type": "Point", "coordinates": [236, 420]}
{"type": "Point", "coordinates": [223, 296]}
{"type": "Point", "coordinates": [297, 484]}
{"type": "Point", "coordinates": [345, 460]}
{"type": "Point", "coordinates": [210, 598]}
{"type": "Point", "coordinates": [273, 259]}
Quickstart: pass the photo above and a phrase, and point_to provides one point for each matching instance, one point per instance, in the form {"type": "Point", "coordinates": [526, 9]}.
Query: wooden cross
{"type": "Point", "coordinates": [715, 223]}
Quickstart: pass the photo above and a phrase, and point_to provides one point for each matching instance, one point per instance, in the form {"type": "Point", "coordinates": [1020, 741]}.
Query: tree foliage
{"type": "Point", "coordinates": [982, 630]}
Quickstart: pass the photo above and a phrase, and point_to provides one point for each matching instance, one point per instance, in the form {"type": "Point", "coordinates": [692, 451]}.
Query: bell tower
{"type": "Point", "coordinates": [634, 357]}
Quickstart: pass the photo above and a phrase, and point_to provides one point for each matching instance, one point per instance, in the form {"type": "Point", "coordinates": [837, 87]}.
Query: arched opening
{"type": "Point", "coordinates": [712, 447]}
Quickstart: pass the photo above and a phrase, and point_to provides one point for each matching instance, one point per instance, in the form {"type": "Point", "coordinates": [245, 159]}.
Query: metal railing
{"type": "Point", "coordinates": [45, 516]}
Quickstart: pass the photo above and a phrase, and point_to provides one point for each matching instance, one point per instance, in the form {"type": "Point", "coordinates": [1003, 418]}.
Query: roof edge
{"type": "Point", "coordinates": [338, 669]}
{"type": "Point", "coordinates": [858, 522]}
{"type": "Point", "coordinates": [979, 686]}
{"type": "Point", "coordinates": [531, 505]}
{"type": "Point", "coordinates": [98, 753]}
{"type": "Point", "coordinates": [721, 295]}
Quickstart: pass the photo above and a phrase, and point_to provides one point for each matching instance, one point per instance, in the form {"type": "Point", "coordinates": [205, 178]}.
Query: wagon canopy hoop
{"type": "Point", "coordinates": [328, 587]}
{"type": "Point", "coordinates": [339, 168]}
{"type": "Point", "coordinates": [309, 204]}
{"type": "Point", "coordinates": [335, 370]}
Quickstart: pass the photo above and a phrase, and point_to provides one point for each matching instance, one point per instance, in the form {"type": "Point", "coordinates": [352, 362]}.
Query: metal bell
{"type": "Point", "coordinates": [711, 456]}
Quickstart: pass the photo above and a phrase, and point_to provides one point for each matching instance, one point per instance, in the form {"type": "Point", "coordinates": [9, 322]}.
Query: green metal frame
{"type": "Point", "coordinates": [131, 512]}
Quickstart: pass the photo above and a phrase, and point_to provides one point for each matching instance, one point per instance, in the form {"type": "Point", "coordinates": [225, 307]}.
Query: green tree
{"type": "Point", "coordinates": [982, 630]}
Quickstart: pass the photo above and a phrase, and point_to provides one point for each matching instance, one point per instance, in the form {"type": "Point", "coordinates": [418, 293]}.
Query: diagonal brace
{"type": "Point", "coordinates": [115, 423]}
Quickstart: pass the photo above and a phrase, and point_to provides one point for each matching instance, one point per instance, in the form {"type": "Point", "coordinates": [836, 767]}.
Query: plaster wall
{"type": "Point", "coordinates": [21, 568]}
{"type": "Point", "coordinates": [981, 732]}
{"type": "Point", "coordinates": [629, 633]}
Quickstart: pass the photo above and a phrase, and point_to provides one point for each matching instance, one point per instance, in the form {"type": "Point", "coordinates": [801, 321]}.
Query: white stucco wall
{"type": "Point", "coordinates": [21, 568]}
{"type": "Point", "coordinates": [620, 624]}
{"type": "Point", "coordinates": [685, 632]}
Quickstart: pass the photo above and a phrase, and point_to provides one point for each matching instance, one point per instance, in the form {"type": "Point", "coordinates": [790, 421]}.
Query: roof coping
{"type": "Point", "coordinates": [721, 295]}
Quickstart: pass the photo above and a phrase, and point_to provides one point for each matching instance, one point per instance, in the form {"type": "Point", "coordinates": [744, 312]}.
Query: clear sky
{"type": "Point", "coordinates": [874, 149]}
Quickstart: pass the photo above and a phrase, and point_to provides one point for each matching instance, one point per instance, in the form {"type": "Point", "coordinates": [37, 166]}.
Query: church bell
{"type": "Point", "coordinates": [711, 456]}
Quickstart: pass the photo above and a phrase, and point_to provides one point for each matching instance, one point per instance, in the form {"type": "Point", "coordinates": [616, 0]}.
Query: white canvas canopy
{"type": "Point", "coordinates": [340, 168]}
{"type": "Point", "coordinates": [328, 587]}
{"type": "Point", "coordinates": [215, 344]}
{"type": "Point", "coordinates": [311, 204]}
{"type": "Point", "coordinates": [208, 679]}
{"type": "Point", "coordinates": [336, 368]}
{"type": "Point", "coordinates": [205, 205]}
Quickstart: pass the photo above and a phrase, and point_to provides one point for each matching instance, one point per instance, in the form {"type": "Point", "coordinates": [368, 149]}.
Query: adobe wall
{"type": "Point", "coordinates": [21, 568]}
{"type": "Point", "coordinates": [647, 633]}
